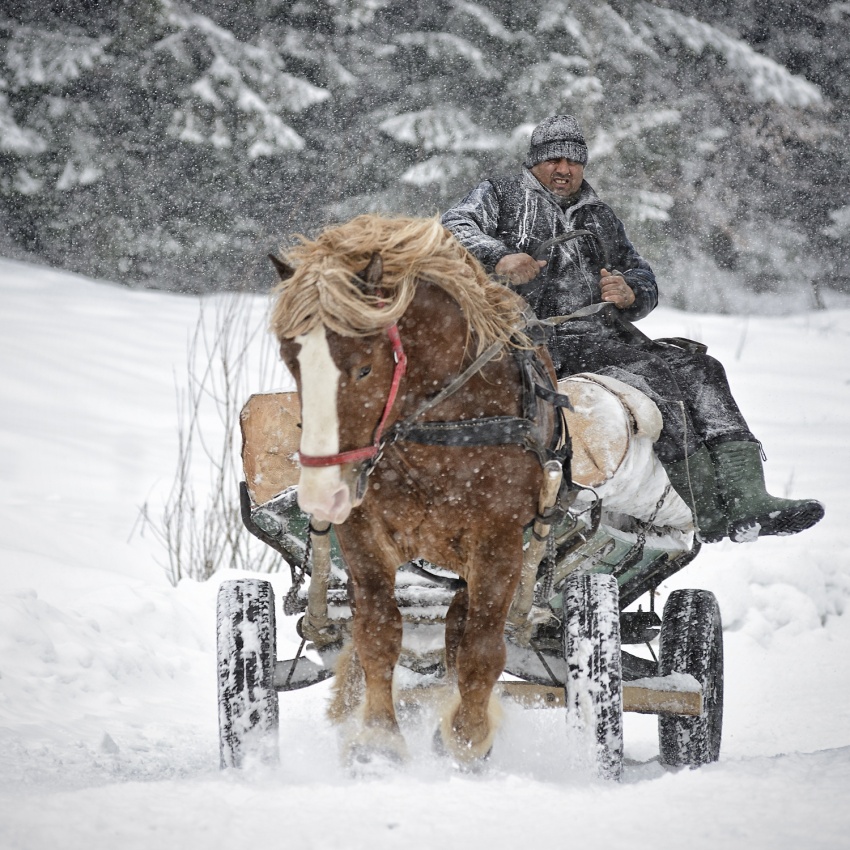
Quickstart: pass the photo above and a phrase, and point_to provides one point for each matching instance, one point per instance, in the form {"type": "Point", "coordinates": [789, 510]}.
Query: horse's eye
{"type": "Point", "coordinates": [364, 371]}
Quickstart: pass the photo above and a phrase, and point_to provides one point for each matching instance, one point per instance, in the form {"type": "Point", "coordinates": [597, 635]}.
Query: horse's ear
{"type": "Point", "coordinates": [371, 275]}
{"type": "Point", "coordinates": [284, 271]}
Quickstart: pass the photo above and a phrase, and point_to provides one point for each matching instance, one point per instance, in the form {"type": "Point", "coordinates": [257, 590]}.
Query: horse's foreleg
{"type": "Point", "coordinates": [348, 686]}
{"type": "Point", "coordinates": [469, 729]}
{"type": "Point", "coordinates": [455, 622]}
{"type": "Point", "coordinates": [377, 634]}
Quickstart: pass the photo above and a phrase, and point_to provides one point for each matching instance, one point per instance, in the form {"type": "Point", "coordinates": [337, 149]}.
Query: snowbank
{"type": "Point", "coordinates": [107, 673]}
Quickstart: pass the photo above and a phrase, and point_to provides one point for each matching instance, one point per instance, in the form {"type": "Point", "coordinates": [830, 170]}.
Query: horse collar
{"type": "Point", "coordinates": [370, 453]}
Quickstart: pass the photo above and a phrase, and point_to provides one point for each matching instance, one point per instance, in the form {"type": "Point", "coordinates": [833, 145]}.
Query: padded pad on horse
{"type": "Point", "coordinates": [270, 441]}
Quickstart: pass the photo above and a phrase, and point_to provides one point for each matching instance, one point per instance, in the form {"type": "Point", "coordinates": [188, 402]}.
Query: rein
{"type": "Point", "coordinates": [476, 366]}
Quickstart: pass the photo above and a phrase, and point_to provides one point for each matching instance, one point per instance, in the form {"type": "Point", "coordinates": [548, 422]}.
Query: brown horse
{"type": "Point", "coordinates": [374, 318]}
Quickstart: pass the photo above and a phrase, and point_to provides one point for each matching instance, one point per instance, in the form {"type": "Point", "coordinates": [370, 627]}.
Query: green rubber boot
{"type": "Point", "coordinates": [694, 480]}
{"type": "Point", "coordinates": [752, 511]}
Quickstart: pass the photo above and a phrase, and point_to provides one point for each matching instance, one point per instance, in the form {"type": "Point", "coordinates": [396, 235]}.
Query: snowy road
{"type": "Point", "coordinates": [107, 674]}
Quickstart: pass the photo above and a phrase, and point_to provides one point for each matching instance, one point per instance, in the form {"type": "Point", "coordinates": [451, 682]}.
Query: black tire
{"type": "Point", "coordinates": [247, 699]}
{"type": "Point", "coordinates": [593, 687]}
{"type": "Point", "coordinates": [692, 642]}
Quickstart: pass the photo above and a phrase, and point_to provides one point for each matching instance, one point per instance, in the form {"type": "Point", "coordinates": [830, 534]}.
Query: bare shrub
{"type": "Point", "coordinates": [229, 356]}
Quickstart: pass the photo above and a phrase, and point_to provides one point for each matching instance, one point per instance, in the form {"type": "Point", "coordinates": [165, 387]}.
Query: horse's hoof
{"type": "Point", "coordinates": [376, 752]}
{"type": "Point", "coordinates": [472, 764]}
{"type": "Point", "coordinates": [475, 767]}
{"type": "Point", "coordinates": [466, 753]}
{"type": "Point", "coordinates": [364, 762]}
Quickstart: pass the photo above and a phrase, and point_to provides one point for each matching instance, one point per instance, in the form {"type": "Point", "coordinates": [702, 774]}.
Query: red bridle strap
{"type": "Point", "coordinates": [368, 452]}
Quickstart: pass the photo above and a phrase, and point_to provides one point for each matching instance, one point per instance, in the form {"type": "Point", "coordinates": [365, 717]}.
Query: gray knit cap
{"type": "Point", "coordinates": [556, 137]}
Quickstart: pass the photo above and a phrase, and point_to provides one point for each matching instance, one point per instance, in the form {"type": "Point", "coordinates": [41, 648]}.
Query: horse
{"type": "Point", "coordinates": [376, 319]}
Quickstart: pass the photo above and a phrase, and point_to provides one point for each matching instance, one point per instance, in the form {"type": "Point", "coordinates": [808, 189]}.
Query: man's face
{"type": "Point", "coordinates": [562, 177]}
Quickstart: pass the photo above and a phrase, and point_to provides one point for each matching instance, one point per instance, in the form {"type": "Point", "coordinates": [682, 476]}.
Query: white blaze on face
{"type": "Point", "coordinates": [321, 491]}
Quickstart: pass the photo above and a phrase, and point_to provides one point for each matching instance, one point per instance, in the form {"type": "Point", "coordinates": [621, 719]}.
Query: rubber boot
{"type": "Point", "coordinates": [752, 511]}
{"type": "Point", "coordinates": [694, 480]}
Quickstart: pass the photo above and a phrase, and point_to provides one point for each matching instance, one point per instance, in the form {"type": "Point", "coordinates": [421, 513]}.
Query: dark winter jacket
{"type": "Point", "coordinates": [517, 214]}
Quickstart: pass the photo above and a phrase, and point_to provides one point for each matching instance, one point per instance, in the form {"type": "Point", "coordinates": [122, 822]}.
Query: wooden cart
{"type": "Point", "coordinates": [566, 635]}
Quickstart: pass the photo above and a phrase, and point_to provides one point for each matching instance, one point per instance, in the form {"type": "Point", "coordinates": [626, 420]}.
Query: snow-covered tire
{"type": "Point", "coordinates": [247, 699]}
{"type": "Point", "coordinates": [692, 642]}
{"type": "Point", "coordinates": [593, 687]}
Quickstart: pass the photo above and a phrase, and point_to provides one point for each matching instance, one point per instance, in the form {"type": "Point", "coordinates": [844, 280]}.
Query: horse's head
{"type": "Point", "coordinates": [346, 385]}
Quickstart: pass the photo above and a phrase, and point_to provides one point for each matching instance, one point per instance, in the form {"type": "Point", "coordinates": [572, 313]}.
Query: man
{"type": "Point", "coordinates": [513, 224]}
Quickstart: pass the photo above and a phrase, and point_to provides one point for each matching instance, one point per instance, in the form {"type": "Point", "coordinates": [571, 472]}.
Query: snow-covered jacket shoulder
{"type": "Point", "coordinates": [516, 214]}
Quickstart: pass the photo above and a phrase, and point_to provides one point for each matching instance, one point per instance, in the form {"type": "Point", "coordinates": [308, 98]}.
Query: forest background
{"type": "Point", "coordinates": [173, 143]}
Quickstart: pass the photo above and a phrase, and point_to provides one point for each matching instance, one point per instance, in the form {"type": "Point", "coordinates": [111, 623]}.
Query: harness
{"type": "Point", "coordinates": [525, 430]}
{"type": "Point", "coordinates": [371, 453]}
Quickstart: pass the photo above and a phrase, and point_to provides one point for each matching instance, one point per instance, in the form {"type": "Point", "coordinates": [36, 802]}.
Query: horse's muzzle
{"type": "Point", "coordinates": [325, 495]}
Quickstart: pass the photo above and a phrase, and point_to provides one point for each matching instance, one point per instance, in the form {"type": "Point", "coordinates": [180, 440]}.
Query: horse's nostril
{"type": "Point", "coordinates": [340, 501]}
{"type": "Point", "coordinates": [326, 504]}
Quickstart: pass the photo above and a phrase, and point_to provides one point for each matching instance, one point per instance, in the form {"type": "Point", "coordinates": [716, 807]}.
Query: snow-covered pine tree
{"type": "Point", "coordinates": [174, 142]}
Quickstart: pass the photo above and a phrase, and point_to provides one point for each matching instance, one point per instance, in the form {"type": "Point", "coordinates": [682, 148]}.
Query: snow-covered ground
{"type": "Point", "coordinates": [108, 731]}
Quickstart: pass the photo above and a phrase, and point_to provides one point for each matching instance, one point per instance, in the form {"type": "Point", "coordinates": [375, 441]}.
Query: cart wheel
{"type": "Point", "coordinates": [692, 642]}
{"type": "Point", "coordinates": [247, 700]}
{"type": "Point", "coordinates": [594, 693]}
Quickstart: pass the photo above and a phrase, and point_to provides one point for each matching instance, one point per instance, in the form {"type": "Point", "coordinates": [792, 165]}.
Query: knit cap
{"type": "Point", "coordinates": [556, 137]}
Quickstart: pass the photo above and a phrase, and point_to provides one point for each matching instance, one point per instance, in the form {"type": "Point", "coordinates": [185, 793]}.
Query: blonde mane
{"type": "Point", "coordinates": [324, 288]}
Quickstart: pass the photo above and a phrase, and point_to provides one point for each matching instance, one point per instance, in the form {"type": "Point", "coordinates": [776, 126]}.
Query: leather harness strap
{"type": "Point", "coordinates": [369, 452]}
{"type": "Point", "coordinates": [522, 430]}
{"type": "Point", "coordinates": [482, 431]}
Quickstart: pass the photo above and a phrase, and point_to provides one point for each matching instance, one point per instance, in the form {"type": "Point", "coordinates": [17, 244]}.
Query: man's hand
{"type": "Point", "coordinates": [615, 289]}
{"type": "Point", "coordinates": [519, 268]}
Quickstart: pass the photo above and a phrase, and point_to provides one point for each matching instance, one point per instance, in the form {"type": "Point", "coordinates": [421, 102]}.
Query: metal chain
{"type": "Point", "coordinates": [648, 523]}
{"type": "Point", "coordinates": [544, 588]}
{"type": "Point", "coordinates": [292, 604]}
{"type": "Point", "coordinates": [635, 553]}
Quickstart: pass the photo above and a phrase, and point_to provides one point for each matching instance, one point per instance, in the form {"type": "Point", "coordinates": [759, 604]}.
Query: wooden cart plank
{"type": "Point", "coordinates": [652, 701]}
{"type": "Point", "coordinates": [270, 441]}
{"type": "Point", "coordinates": [531, 695]}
